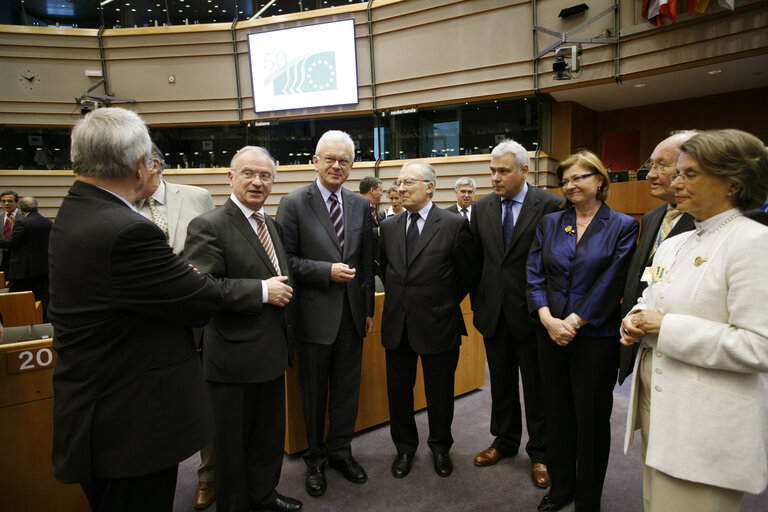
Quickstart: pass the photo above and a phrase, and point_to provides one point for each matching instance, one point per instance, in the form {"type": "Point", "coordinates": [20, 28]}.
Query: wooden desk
{"type": "Point", "coordinates": [20, 308]}
{"type": "Point", "coordinates": [26, 428]}
{"type": "Point", "coordinates": [373, 406]}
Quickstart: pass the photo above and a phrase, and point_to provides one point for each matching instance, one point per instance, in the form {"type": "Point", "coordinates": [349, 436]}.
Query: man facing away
{"type": "Point", "coordinates": [659, 224]}
{"type": "Point", "coordinates": [247, 345]}
{"type": "Point", "coordinates": [328, 237]}
{"type": "Point", "coordinates": [28, 244]}
{"type": "Point", "coordinates": [130, 401]}
{"type": "Point", "coordinates": [426, 264]}
{"type": "Point", "coordinates": [171, 207]}
{"type": "Point", "coordinates": [503, 225]}
{"type": "Point", "coordinates": [465, 195]}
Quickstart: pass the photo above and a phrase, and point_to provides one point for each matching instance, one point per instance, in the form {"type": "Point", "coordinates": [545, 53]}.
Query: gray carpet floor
{"type": "Point", "coordinates": [504, 487]}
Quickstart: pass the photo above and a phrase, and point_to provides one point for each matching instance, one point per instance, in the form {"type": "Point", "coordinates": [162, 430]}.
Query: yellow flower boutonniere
{"type": "Point", "coordinates": [569, 230]}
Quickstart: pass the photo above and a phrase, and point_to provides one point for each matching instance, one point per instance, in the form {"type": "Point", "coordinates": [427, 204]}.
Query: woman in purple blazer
{"type": "Point", "coordinates": [576, 270]}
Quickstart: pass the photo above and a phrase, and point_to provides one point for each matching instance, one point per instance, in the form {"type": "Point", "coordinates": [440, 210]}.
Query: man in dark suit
{"type": "Point", "coordinates": [465, 194]}
{"type": "Point", "coordinates": [372, 188]}
{"type": "Point", "coordinates": [660, 223]}
{"type": "Point", "coordinates": [9, 200]}
{"type": "Point", "coordinates": [29, 252]}
{"type": "Point", "coordinates": [247, 345]}
{"type": "Point", "coordinates": [328, 237]}
{"type": "Point", "coordinates": [503, 226]}
{"type": "Point", "coordinates": [128, 384]}
{"type": "Point", "coordinates": [426, 264]}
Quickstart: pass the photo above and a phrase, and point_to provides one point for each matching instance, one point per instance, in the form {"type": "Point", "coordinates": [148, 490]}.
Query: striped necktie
{"type": "Point", "coordinates": [266, 240]}
{"type": "Point", "coordinates": [337, 219]}
{"type": "Point", "coordinates": [375, 216]}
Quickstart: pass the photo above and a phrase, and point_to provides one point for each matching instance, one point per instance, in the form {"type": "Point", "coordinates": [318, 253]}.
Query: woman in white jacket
{"type": "Point", "coordinates": [700, 384]}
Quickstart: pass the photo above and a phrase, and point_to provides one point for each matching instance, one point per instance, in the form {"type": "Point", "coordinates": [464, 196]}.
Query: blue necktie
{"type": "Point", "coordinates": [508, 223]}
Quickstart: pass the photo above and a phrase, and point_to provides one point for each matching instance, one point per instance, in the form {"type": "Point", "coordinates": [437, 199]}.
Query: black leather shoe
{"type": "Point", "coordinates": [401, 466]}
{"type": "Point", "coordinates": [443, 464]}
{"type": "Point", "coordinates": [316, 484]}
{"type": "Point", "coordinates": [282, 504]}
{"type": "Point", "coordinates": [350, 468]}
{"type": "Point", "coordinates": [548, 504]}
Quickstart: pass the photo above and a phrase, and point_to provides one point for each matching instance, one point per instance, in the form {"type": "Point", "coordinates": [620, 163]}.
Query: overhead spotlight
{"type": "Point", "coordinates": [573, 11]}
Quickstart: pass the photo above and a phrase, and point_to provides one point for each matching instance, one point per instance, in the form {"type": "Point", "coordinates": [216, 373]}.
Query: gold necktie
{"type": "Point", "coordinates": [156, 217]}
{"type": "Point", "coordinates": [266, 240]}
{"type": "Point", "coordinates": [666, 226]}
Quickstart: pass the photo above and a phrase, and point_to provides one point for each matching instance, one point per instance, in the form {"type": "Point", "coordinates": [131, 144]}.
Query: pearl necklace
{"type": "Point", "coordinates": [698, 260]}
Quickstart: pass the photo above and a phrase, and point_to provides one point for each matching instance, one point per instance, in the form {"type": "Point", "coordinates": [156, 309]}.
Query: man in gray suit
{"type": "Point", "coordinates": [171, 207]}
{"type": "Point", "coordinates": [465, 194]}
{"type": "Point", "coordinates": [504, 224]}
{"type": "Point", "coordinates": [328, 236]}
{"type": "Point", "coordinates": [426, 266]}
{"type": "Point", "coordinates": [660, 223]}
{"type": "Point", "coordinates": [247, 345]}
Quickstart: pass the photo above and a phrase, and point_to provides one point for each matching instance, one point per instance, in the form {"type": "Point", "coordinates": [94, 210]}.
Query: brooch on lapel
{"type": "Point", "coordinates": [699, 260]}
{"type": "Point", "coordinates": [569, 230]}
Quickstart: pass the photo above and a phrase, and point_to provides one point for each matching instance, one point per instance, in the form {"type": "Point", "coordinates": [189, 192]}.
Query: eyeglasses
{"type": "Point", "coordinates": [330, 160]}
{"type": "Point", "coordinates": [686, 176]}
{"type": "Point", "coordinates": [651, 165]}
{"type": "Point", "coordinates": [409, 182]}
{"type": "Point", "coordinates": [265, 177]}
{"type": "Point", "coordinates": [576, 179]}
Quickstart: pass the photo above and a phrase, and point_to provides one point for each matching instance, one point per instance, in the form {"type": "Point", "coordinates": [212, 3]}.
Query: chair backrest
{"type": "Point", "coordinates": [20, 308]}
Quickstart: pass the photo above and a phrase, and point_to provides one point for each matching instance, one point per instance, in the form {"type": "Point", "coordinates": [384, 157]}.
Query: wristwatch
{"type": "Point", "coordinates": [576, 324]}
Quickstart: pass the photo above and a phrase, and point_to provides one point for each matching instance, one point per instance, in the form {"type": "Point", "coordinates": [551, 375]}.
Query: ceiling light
{"type": "Point", "coordinates": [714, 71]}
{"type": "Point", "coordinates": [638, 86]}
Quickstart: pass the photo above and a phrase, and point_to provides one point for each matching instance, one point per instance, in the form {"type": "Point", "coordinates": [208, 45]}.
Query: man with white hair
{"type": "Point", "coordinates": [426, 262]}
{"type": "Point", "coordinates": [328, 236]}
{"type": "Point", "coordinates": [130, 401]}
{"type": "Point", "coordinates": [465, 193]}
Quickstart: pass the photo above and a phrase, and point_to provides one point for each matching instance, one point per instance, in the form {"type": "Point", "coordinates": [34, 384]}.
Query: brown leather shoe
{"type": "Point", "coordinates": [204, 495]}
{"type": "Point", "coordinates": [539, 475]}
{"type": "Point", "coordinates": [488, 457]}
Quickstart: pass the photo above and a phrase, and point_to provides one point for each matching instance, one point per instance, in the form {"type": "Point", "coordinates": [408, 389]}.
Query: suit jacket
{"type": "Point", "coordinates": [247, 340]}
{"type": "Point", "coordinates": [129, 395]}
{"type": "Point", "coordinates": [182, 204]}
{"type": "Point", "coordinates": [16, 216]}
{"type": "Point", "coordinates": [312, 247]}
{"type": "Point", "coordinates": [709, 418]}
{"type": "Point", "coordinates": [501, 287]}
{"type": "Point", "coordinates": [585, 278]}
{"type": "Point", "coordinates": [29, 246]}
{"type": "Point", "coordinates": [453, 208]}
{"type": "Point", "coordinates": [634, 286]}
{"type": "Point", "coordinates": [425, 292]}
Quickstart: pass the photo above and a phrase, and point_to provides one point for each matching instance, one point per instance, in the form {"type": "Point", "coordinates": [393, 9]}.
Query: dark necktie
{"type": "Point", "coordinates": [508, 223]}
{"type": "Point", "coordinates": [375, 216]}
{"type": "Point", "coordinates": [337, 219]}
{"type": "Point", "coordinates": [412, 236]}
{"type": "Point", "coordinates": [8, 225]}
{"type": "Point", "coordinates": [464, 213]}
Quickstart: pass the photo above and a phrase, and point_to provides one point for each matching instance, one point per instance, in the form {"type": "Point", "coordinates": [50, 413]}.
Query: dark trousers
{"type": "Point", "coordinates": [439, 375]}
{"type": "Point", "coordinates": [152, 493]}
{"type": "Point", "coordinates": [506, 352]}
{"type": "Point", "coordinates": [578, 382]}
{"type": "Point", "coordinates": [249, 422]}
{"type": "Point", "coordinates": [331, 369]}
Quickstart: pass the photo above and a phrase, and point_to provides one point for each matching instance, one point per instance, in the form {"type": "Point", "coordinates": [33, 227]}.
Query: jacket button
{"type": "Point", "coordinates": [659, 371]}
{"type": "Point", "coordinates": [658, 388]}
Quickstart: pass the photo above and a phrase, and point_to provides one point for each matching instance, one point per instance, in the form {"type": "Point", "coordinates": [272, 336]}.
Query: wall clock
{"type": "Point", "coordinates": [29, 79]}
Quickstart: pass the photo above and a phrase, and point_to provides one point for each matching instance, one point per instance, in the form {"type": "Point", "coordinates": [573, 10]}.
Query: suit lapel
{"type": "Point", "coordinates": [244, 227]}
{"type": "Point", "coordinates": [493, 219]}
{"type": "Point", "coordinates": [401, 228]}
{"type": "Point", "coordinates": [431, 227]}
{"type": "Point", "coordinates": [277, 243]}
{"type": "Point", "coordinates": [173, 207]}
{"type": "Point", "coordinates": [528, 212]}
{"type": "Point", "coordinates": [321, 212]}
{"type": "Point", "coordinates": [569, 219]}
{"type": "Point", "coordinates": [351, 221]}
